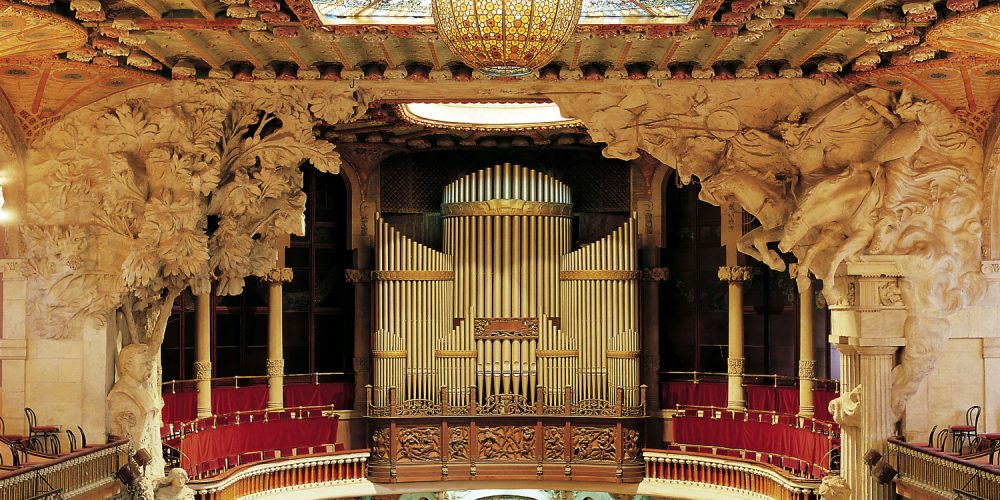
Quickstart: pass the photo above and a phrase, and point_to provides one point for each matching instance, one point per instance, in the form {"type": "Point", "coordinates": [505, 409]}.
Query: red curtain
{"type": "Point", "coordinates": [755, 434]}
{"type": "Point", "coordinates": [687, 393]}
{"type": "Point", "coordinates": [210, 445]}
{"type": "Point", "coordinates": [339, 394]}
{"type": "Point", "coordinates": [821, 399]}
{"type": "Point", "coordinates": [179, 407]}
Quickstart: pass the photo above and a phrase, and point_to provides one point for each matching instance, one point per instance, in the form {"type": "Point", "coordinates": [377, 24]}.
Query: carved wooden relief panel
{"type": "Point", "coordinates": [419, 444]}
{"type": "Point", "coordinates": [555, 445]}
{"type": "Point", "coordinates": [507, 443]}
{"type": "Point", "coordinates": [458, 443]}
{"type": "Point", "coordinates": [594, 443]}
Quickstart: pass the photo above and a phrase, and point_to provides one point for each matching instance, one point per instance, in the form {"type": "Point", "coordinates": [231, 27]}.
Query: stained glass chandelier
{"type": "Point", "coordinates": [506, 37]}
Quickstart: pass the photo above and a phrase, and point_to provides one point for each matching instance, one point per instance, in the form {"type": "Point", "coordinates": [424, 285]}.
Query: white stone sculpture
{"type": "Point", "coordinates": [174, 486]}
{"type": "Point", "coordinates": [831, 179]}
{"type": "Point", "coordinates": [121, 193]}
{"type": "Point", "coordinates": [834, 487]}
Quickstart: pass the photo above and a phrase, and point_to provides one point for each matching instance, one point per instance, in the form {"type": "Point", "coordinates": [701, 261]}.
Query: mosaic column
{"type": "Point", "coordinates": [735, 276]}
{"type": "Point", "coordinates": [203, 354]}
{"type": "Point", "coordinates": [275, 343]}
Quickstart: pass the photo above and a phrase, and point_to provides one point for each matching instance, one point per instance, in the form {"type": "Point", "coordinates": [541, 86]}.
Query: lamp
{"type": "Point", "coordinates": [128, 474]}
{"type": "Point", "coordinates": [142, 457]}
{"type": "Point", "coordinates": [506, 37]}
{"type": "Point", "coordinates": [884, 472]}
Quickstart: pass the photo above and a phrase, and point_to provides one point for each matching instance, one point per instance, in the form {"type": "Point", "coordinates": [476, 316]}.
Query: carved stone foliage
{"type": "Point", "coordinates": [594, 443]}
{"type": "Point", "coordinates": [834, 487]}
{"type": "Point", "coordinates": [630, 444]}
{"type": "Point", "coordinates": [555, 444]}
{"type": "Point", "coordinates": [380, 444]}
{"type": "Point", "coordinates": [510, 443]}
{"type": "Point", "coordinates": [419, 444]}
{"type": "Point", "coordinates": [138, 175]}
{"type": "Point", "coordinates": [458, 442]}
{"type": "Point", "coordinates": [736, 366]}
{"type": "Point", "coordinates": [832, 176]}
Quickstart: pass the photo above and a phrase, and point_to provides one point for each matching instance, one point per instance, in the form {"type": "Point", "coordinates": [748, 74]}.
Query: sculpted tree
{"type": "Point", "coordinates": [162, 190]}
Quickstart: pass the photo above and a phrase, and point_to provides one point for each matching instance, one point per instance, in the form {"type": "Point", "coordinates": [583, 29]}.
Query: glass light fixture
{"type": "Point", "coordinates": [506, 37]}
{"type": "Point", "coordinates": [486, 116]}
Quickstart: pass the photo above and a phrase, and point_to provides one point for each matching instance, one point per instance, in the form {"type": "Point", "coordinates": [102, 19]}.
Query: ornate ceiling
{"type": "Point", "coordinates": [57, 55]}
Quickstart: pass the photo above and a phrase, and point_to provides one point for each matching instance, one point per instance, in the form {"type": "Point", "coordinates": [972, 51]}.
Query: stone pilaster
{"type": "Point", "coordinates": [735, 276]}
{"type": "Point", "coordinates": [275, 342]}
{"type": "Point", "coordinates": [651, 278]}
{"type": "Point", "coordinates": [868, 331]}
{"type": "Point", "coordinates": [13, 344]}
{"type": "Point", "coordinates": [203, 354]}
{"type": "Point", "coordinates": [361, 279]}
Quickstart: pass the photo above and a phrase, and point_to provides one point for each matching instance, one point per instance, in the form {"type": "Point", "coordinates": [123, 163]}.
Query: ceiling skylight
{"type": "Point", "coordinates": [402, 12]}
{"type": "Point", "coordinates": [486, 115]}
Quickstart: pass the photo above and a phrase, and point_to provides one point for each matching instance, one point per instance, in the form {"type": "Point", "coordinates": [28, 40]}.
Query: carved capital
{"type": "Point", "coordinates": [357, 275]}
{"type": "Point", "coordinates": [275, 367]}
{"type": "Point", "coordinates": [202, 370]}
{"type": "Point", "coordinates": [991, 269]}
{"type": "Point", "coordinates": [735, 274]}
{"type": "Point", "coordinates": [735, 366]}
{"type": "Point", "coordinates": [807, 368]}
{"type": "Point", "coordinates": [362, 364]}
{"type": "Point", "coordinates": [279, 275]}
{"type": "Point", "coordinates": [12, 268]}
{"type": "Point", "coordinates": [655, 274]}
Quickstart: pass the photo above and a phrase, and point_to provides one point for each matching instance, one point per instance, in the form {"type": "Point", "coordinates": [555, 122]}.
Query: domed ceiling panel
{"type": "Point", "coordinates": [29, 32]}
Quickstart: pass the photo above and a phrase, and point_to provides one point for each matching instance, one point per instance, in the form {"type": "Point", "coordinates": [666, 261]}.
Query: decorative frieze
{"type": "Point", "coordinates": [807, 368]}
{"type": "Point", "coordinates": [655, 274]}
{"type": "Point", "coordinates": [275, 367]}
{"type": "Point", "coordinates": [506, 207]}
{"type": "Point", "coordinates": [598, 274]}
{"type": "Point", "coordinates": [357, 275]}
{"type": "Point", "coordinates": [202, 370]}
{"type": "Point", "coordinates": [735, 274]}
{"type": "Point", "coordinates": [735, 366]}
{"type": "Point", "coordinates": [413, 275]}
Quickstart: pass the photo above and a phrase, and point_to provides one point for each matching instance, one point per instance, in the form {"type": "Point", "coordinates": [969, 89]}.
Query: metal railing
{"type": "Point", "coordinates": [182, 429]}
{"type": "Point", "coordinates": [67, 476]}
{"type": "Point", "coordinates": [278, 475]}
{"type": "Point", "coordinates": [813, 424]}
{"type": "Point", "coordinates": [748, 379]}
{"type": "Point", "coordinates": [245, 380]}
{"type": "Point", "coordinates": [942, 475]}
{"type": "Point", "coordinates": [725, 475]}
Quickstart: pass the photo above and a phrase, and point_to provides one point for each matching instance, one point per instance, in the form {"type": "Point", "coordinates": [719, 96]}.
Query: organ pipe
{"type": "Point", "coordinates": [506, 308]}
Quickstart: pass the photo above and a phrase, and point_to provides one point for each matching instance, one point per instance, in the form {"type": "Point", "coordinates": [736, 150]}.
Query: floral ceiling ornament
{"type": "Point", "coordinates": [506, 37]}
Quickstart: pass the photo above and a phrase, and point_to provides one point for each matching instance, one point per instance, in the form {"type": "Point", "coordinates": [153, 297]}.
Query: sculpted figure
{"type": "Point", "coordinates": [131, 404]}
{"type": "Point", "coordinates": [174, 486]}
{"type": "Point", "coordinates": [846, 409]}
{"type": "Point", "coordinates": [834, 487]}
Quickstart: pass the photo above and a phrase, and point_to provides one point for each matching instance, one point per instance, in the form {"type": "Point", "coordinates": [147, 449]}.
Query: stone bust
{"type": "Point", "coordinates": [174, 486]}
{"type": "Point", "coordinates": [130, 402]}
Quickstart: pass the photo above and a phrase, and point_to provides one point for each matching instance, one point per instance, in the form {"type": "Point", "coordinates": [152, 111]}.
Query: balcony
{"type": "Point", "coordinates": [506, 438]}
{"type": "Point", "coordinates": [927, 473]}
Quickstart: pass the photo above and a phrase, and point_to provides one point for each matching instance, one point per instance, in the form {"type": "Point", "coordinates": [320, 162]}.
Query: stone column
{"type": "Point", "coordinates": [867, 330]}
{"type": "Point", "coordinates": [735, 276]}
{"type": "Point", "coordinates": [13, 344]}
{"type": "Point", "coordinates": [807, 348]}
{"type": "Point", "coordinates": [203, 354]}
{"type": "Point", "coordinates": [651, 278]}
{"type": "Point", "coordinates": [361, 278]}
{"type": "Point", "coordinates": [275, 343]}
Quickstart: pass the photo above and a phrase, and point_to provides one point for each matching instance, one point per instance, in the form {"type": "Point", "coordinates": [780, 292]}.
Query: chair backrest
{"type": "Point", "coordinates": [972, 416]}
{"type": "Point", "coordinates": [83, 437]}
{"type": "Point", "coordinates": [3, 427]}
{"type": "Point", "coordinates": [930, 438]}
{"type": "Point", "coordinates": [72, 440]}
{"type": "Point", "coordinates": [30, 415]}
{"type": "Point", "coordinates": [942, 438]}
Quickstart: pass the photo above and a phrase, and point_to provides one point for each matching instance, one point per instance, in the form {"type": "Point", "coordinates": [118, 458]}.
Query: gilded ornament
{"type": "Point", "coordinates": [735, 366]}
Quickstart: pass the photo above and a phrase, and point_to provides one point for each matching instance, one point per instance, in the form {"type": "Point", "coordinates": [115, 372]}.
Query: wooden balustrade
{"type": "Point", "coordinates": [937, 474]}
{"type": "Point", "coordinates": [76, 474]}
{"type": "Point", "coordinates": [726, 474]}
{"type": "Point", "coordinates": [273, 476]}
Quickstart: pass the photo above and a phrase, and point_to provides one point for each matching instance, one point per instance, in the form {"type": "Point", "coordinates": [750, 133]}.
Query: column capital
{"type": "Point", "coordinates": [202, 370]}
{"type": "Point", "coordinates": [991, 269]}
{"type": "Point", "coordinates": [735, 274]}
{"type": "Point", "coordinates": [275, 367]}
{"type": "Point", "coordinates": [12, 269]}
{"type": "Point", "coordinates": [279, 275]}
{"type": "Point", "coordinates": [736, 366]}
{"type": "Point", "coordinates": [655, 274]}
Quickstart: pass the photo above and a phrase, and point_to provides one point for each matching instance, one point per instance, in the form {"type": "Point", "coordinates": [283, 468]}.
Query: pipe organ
{"type": "Point", "coordinates": [506, 311]}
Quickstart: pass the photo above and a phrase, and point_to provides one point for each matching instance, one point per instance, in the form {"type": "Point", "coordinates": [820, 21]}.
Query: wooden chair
{"type": "Point", "coordinates": [71, 439]}
{"type": "Point", "coordinates": [44, 438]}
{"type": "Point", "coordinates": [961, 433]}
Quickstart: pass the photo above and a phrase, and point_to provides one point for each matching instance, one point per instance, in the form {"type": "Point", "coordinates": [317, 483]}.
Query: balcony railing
{"type": "Point", "coordinates": [937, 474]}
{"type": "Point", "coordinates": [750, 379]}
{"type": "Point", "coordinates": [276, 476]}
{"type": "Point", "coordinates": [724, 475]}
{"type": "Point", "coordinates": [68, 476]}
{"type": "Point", "coordinates": [238, 381]}
{"type": "Point", "coordinates": [628, 402]}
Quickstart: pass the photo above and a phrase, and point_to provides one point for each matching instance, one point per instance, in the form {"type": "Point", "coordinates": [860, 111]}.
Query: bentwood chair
{"type": "Point", "coordinates": [47, 436]}
{"type": "Point", "coordinates": [960, 434]}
